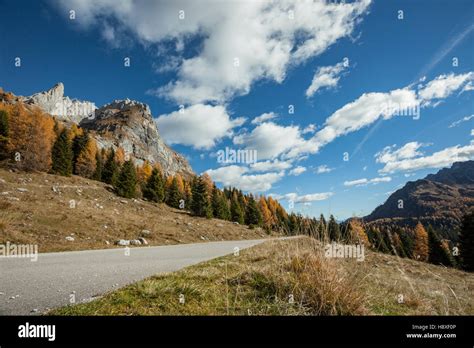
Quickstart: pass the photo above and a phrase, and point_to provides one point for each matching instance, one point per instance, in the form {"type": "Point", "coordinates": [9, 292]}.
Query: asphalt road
{"type": "Point", "coordinates": [29, 288]}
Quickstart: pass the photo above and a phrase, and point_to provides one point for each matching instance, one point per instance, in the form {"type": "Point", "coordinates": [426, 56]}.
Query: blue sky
{"type": "Point", "coordinates": [345, 147]}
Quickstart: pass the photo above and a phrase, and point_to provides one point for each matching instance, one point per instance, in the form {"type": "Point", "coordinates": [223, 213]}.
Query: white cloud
{"type": "Point", "coordinates": [267, 166]}
{"type": "Point", "coordinates": [464, 119]}
{"type": "Point", "coordinates": [200, 126]}
{"type": "Point", "coordinates": [372, 107]}
{"type": "Point", "coordinates": [468, 87]}
{"type": "Point", "coordinates": [439, 159]}
{"type": "Point", "coordinates": [409, 150]}
{"type": "Point", "coordinates": [326, 77]}
{"type": "Point", "coordinates": [323, 169]}
{"type": "Point", "coordinates": [238, 176]}
{"type": "Point", "coordinates": [362, 112]}
{"type": "Point", "coordinates": [265, 36]}
{"type": "Point", "coordinates": [472, 132]}
{"type": "Point", "coordinates": [365, 181]}
{"type": "Point", "coordinates": [310, 128]}
{"type": "Point", "coordinates": [264, 117]}
{"type": "Point", "coordinates": [297, 171]}
{"type": "Point", "coordinates": [270, 140]}
{"type": "Point", "coordinates": [311, 197]}
{"type": "Point", "coordinates": [443, 86]}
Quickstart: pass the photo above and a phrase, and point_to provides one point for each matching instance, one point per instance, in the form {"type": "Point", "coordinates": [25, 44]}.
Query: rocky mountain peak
{"type": "Point", "coordinates": [55, 103]}
{"type": "Point", "coordinates": [125, 123]}
{"type": "Point", "coordinates": [127, 104]}
{"type": "Point", "coordinates": [129, 124]}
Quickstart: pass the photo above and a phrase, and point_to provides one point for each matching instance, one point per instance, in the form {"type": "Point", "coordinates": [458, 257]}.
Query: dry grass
{"type": "Point", "coordinates": [292, 277]}
{"type": "Point", "coordinates": [44, 217]}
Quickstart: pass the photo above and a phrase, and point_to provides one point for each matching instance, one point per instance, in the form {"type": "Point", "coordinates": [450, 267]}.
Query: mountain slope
{"type": "Point", "coordinates": [49, 210]}
{"type": "Point", "coordinates": [439, 199]}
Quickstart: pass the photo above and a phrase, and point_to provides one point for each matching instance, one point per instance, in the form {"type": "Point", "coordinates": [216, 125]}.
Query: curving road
{"type": "Point", "coordinates": [29, 288]}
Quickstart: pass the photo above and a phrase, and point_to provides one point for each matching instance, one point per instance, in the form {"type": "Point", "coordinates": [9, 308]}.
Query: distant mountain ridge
{"type": "Point", "coordinates": [439, 199]}
{"type": "Point", "coordinates": [125, 123]}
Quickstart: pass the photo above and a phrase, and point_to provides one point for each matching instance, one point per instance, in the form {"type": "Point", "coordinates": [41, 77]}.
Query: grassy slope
{"type": "Point", "coordinates": [261, 280]}
{"type": "Point", "coordinates": [44, 217]}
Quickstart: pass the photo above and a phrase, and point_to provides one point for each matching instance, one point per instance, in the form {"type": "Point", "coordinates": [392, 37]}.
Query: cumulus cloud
{"type": "Point", "coordinates": [310, 128]}
{"type": "Point", "coordinates": [443, 86]}
{"type": "Point", "coordinates": [238, 176]}
{"type": "Point", "coordinates": [439, 159]}
{"type": "Point", "coordinates": [242, 41]}
{"type": "Point", "coordinates": [409, 150]}
{"type": "Point", "coordinates": [365, 181]}
{"type": "Point", "coordinates": [326, 77]}
{"type": "Point", "coordinates": [458, 122]}
{"type": "Point", "coordinates": [323, 169]}
{"type": "Point", "coordinates": [200, 126]}
{"type": "Point", "coordinates": [297, 171]}
{"type": "Point", "coordinates": [267, 166]}
{"type": "Point", "coordinates": [270, 140]}
{"type": "Point", "coordinates": [375, 106]}
{"type": "Point", "coordinates": [264, 117]}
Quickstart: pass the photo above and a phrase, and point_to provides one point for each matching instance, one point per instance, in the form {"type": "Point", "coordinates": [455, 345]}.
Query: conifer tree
{"type": "Point", "coordinates": [380, 241]}
{"type": "Point", "coordinates": [322, 228]}
{"type": "Point", "coordinates": [220, 209]}
{"type": "Point", "coordinates": [466, 242]}
{"type": "Point", "coordinates": [173, 196]}
{"type": "Point", "coordinates": [62, 154]}
{"type": "Point", "coordinates": [408, 241]}
{"type": "Point", "coordinates": [225, 207]}
{"type": "Point", "coordinates": [85, 163]}
{"type": "Point", "coordinates": [200, 205]}
{"type": "Point", "coordinates": [333, 229]}
{"type": "Point", "coordinates": [31, 137]}
{"type": "Point", "coordinates": [266, 213]}
{"type": "Point", "coordinates": [356, 232]}
{"type": "Point", "coordinates": [237, 215]}
{"type": "Point", "coordinates": [420, 249]}
{"type": "Point", "coordinates": [79, 144]}
{"type": "Point", "coordinates": [111, 169]}
{"type": "Point", "coordinates": [293, 225]}
{"type": "Point", "coordinates": [252, 215]}
{"type": "Point", "coordinates": [154, 188]}
{"type": "Point", "coordinates": [4, 134]}
{"type": "Point", "coordinates": [126, 183]}
{"type": "Point", "coordinates": [99, 165]}
{"type": "Point", "coordinates": [438, 255]}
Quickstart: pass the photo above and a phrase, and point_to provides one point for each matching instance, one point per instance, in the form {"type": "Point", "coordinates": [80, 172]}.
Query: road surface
{"type": "Point", "coordinates": [29, 288]}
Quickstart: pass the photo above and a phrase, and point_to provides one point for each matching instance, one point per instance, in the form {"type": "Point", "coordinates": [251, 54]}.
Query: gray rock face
{"type": "Point", "coordinates": [55, 103]}
{"type": "Point", "coordinates": [123, 123]}
{"type": "Point", "coordinates": [129, 124]}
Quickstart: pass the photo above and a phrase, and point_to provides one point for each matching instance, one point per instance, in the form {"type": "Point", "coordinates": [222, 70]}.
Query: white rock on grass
{"type": "Point", "coordinates": [143, 241]}
{"type": "Point", "coordinates": [122, 242]}
{"type": "Point", "coordinates": [70, 239]}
